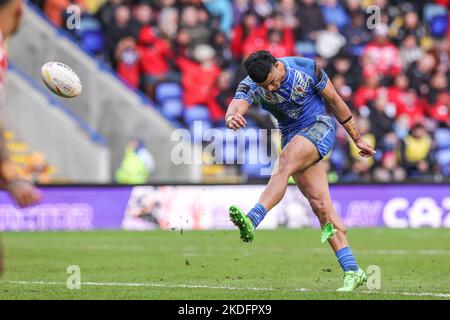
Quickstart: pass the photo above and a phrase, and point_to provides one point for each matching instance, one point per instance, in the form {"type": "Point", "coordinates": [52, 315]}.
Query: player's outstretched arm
{"type": "Point", "coordinates": [234, 118]}
{"type": "Point", "coordinates": [22, 191]}
{"type": "Point", "coordinates": [343, 114]}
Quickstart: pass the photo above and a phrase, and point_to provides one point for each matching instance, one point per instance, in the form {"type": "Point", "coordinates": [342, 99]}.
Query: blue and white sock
{"type": "Point", "coordinates": [257, 214]}
{"type": "Point", "coordinates": [347, 260]}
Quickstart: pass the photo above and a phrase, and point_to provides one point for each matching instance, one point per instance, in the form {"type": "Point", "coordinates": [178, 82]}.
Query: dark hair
{"type": "Point", "coordinates": [259, 64]}
{"type": "Point", "coordinates": [4, 3]}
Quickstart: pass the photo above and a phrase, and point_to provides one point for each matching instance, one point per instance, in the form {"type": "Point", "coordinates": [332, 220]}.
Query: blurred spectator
{"type": "Point", "coordinates": [54, 9]}
{"type": "Point", "coordinates": [405, 100]}
{"type": "Point", "coordinates": [389, 170]}
{"type": "Point", "coordinates": [342, 88]}
{"type": "Point", "coordinates": [411, 26]}
{"type": "Point", "coordinates": [335, 14]}
{"type": "Point", "coordinates": [118, 30]}
{"type": "Point", "coordinates": [438, 84]}
{"type": "Point", "coordinates": [194, 21]}
{"type": "Point", "coordinates": [410, 52]}
{"type": "Point", "coordinates": [127, 66]}
{"type": "Point", "coordinates": [37, 169]}
{"type": "Point", "coordinates": [272, 35]}
{"type": "Point", "coordinates": [368, 91]}
{"type": "Point", "coordinates": [224, 93]}
{"type": "Point", "coordinates": [223, 10]}
{"type": "Point", "coordinates": [240, 7]}
{"type": "Point", "coordinates": [358, 172]}
{"type": "Point", "coordinates": [440, 109]}
{"type": "Point", "coordinates": [262, 8]}
{"type": "Point", "coordinates": [289, 9]}
{"type": "Point", "coordinates": [311, 21]}
{"type": "Point", "coordinates": [380, 55]}
{"type": "Point", "coordinates": [416, 151]}
{"type": "Point", "coordinates": [142, 14]}
{"type": "Point", "coordinates": [419, 73]}
{"type": "Point", "coordinates": [241, 32]}
{"type": "Point", "coordinates": [381, 116]}
{"type": "Point", "coordinates": [137, 164]}
{"type": "Point", "coordinates": [199, 79]}
{"type": "Point", "coordinates": [106, 14]}
{"type": "Point", "coordinates": [168, 22]}
{"type": "Point", "coordinates": [329, 42]}
{"type": "Point", "coordinates": [155, 54]}
{"type": "Point", "coordinates": [223, 53]}
{"type": "Point", "coordinates": [356, 34]}
{"type": "Point", "coordinates": [344, 66]}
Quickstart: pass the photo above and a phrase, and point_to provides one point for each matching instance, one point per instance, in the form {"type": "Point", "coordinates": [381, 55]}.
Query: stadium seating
{"type": "Point", "coordinates": [442, 139]}
{"type": "Point", "coordinates": [197, 120]}
{"type": "Point", "coordinates": [169, 97]}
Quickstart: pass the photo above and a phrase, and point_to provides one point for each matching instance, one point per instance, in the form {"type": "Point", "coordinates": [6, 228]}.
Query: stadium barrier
{"type": "Point", "coordinates": [202, 207]}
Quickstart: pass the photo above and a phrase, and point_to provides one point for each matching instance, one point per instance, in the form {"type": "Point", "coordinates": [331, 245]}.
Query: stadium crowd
{"type": "Point", "coordinates": [393, 72]}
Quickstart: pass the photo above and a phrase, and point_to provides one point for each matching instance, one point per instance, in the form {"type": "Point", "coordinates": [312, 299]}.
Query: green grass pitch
{"type": "Point", "coordinates": [279, 264]}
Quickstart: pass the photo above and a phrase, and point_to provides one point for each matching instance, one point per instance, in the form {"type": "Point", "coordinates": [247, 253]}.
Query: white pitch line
{"type": "Point", "coordinates": [190, 286]}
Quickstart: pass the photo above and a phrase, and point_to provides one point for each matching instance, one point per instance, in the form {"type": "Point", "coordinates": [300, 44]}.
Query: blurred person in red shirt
{"type": "Point", "coordinates": [199, 80]}
{"type": "Point", "coordinates": [405, 100]}
{"type": "Point", "coordinates": [54, 10]}
{"type": "Point", "coordinates": [155, 54]}
{"type": "Point", "coordinates": [272, 35]}
{"type": "Point", "coordinates": [381, 55]}
{"type": "Point", "coordinates": [440, 109]}
{"type": "Point", "coordinates": [368, 90]}
{"type": "Point", "coordinates": [128, 60]}
{"type": "Point", "coordinates": [241, 32]}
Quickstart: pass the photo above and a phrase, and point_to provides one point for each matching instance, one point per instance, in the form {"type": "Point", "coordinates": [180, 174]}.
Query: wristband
{"type": "Point", "coordinates": [350, 127]}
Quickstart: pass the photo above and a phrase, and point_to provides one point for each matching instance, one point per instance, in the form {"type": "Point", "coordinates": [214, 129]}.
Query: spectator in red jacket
{"type": "Point", "coordinates": [381, 55]}
{"type": "Point", "coordinates": [272, 35]}
{"type": "Point", "coordinates": [127, 66]}
{"type": "Point", "coordinates": [155, 54]}
{"type": "Point", "coordinates": [199, 79]}
{"type": "Point", "coordinates": [440, 110]}
{"type": "Point", "coordinates": [406, 100]}
{"type": "Point", "coordinates": [368, 91]}
{"type": "Point", "coordinates": [241, 32]}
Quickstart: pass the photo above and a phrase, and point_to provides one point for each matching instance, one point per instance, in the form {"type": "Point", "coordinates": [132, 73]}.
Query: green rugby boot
{"type": "Point", "coordinates": [327, 232]}
{"type": "Point", "coordinates": [352, 280]}
{"type": "Point", "coordinates": [243, 222]}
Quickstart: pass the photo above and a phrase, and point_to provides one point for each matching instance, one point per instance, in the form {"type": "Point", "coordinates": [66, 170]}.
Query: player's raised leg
{"type": "Point", "coordinates": [313, 183]}
{"type": "Point", "coordinates": [299, 154]}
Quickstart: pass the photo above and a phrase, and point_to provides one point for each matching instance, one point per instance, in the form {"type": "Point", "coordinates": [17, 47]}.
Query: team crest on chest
{"type": "Point", "coordinates": [299, 87]}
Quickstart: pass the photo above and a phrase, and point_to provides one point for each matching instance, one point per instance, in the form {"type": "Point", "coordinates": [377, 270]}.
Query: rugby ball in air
{"type": "Point", "coordinates": [61, 79]}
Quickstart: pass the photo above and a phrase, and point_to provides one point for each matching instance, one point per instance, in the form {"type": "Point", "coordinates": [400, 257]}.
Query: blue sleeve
{"type": "Point", "coordinates": [246, 90]}
{"type": "Point", "coordinates": [319, 76]}
{"type": "Point", "coordinates": [311, 68]}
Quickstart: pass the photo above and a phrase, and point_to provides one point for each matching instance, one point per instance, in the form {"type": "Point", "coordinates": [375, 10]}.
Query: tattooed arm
{"type": "Point", "coordinates": [343, 114]}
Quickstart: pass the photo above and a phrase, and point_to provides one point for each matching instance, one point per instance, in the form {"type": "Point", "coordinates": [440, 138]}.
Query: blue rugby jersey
{"type": "Point", "coordinates": [297, 102]}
